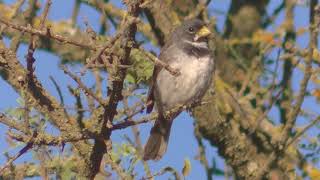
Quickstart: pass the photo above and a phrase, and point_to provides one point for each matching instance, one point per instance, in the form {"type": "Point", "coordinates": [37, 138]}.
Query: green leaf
{"type": "Point", "coordinates": [130, 79]}
{"type": "Point", "coordinates": [186, 167]}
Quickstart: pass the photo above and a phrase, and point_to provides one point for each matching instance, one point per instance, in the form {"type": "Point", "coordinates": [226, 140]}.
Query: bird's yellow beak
{"type": "Point", "coordinates": [203, 32]}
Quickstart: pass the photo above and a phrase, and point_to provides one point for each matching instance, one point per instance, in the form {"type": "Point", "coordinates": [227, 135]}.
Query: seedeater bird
{"type": "Point", "coordinates": [187, 51]}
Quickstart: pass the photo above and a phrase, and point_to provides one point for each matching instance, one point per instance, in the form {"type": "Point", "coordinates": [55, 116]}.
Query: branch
{"type": "Point", "coordinates": [48, 34]}
{"type": "Point", "coordinates": [304, 130]}
{"type": "Point", "coordinates": [11, 123]}
{"type": "Point", "coordinates": [314, 23]}
{"type": "Point", "coordinates": [43, 139]}
{"type": "Point", "coordinates": [158, 62]}
{"type": "Point", "coordinates": [115, 86]}
{"type": "Point", "coordinates": [126, 122]}
{"type": "Point", "coordinates": [82, 86]}
{"type": "Point", "coordinates": [165, 170]}
{"type": "Point", "coordinates": [21, 152]}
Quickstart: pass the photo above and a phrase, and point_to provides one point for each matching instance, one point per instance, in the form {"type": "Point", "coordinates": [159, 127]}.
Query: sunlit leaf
{"type": "Point", "coordinates": [186, 167]}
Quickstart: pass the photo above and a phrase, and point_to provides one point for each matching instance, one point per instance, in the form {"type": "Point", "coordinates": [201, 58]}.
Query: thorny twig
{"type": "Point", "coordinates": [165, 170]}
{"type": "Point", "coordinates": [314, 23]}
{"type": "Point", "coordinates": [158, 62]}
{"type": "Point", "coordinates": [20, 153]}
{"type": "Point", "coordinates": [48, 34]}
{"type": "Point", "coordinates": [83, 86]}
{"type": "Point", "coordinates": [300, 133]}
{"type": "Point", "coordinates": [153, 116]}
{"type": "Point", "coordinates": [273, 100]}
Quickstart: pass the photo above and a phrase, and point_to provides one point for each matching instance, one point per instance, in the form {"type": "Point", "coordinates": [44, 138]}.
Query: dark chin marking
{"type": "Point", "coordinates": [196, 51]}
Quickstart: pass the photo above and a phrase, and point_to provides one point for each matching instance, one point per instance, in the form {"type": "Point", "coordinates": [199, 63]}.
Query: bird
{"type": "Point", "coordinates": [186, 50]}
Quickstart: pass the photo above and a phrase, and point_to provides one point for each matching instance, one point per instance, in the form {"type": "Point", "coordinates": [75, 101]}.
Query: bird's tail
{"type": "Point", "coordinates": [158, 141]}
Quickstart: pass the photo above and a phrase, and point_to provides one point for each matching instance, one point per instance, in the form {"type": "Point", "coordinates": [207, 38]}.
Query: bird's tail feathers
{"type": "Point", "coordinates": [158, 141]}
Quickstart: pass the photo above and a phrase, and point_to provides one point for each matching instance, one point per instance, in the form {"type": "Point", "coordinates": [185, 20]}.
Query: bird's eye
{"type": "Point", "coordinates": [191, 29]}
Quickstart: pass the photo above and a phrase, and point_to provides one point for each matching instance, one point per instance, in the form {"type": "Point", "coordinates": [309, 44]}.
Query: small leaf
{"type": "Point", "coordinates": [130, 79]}
{"type": "Point", "coordinates": [312, 171]}
{"type": "Point", "coordinates": [263, 37]}
{"type": "Point", "coordinates": [186, 167]}
{"type": "Point", "coordinates": [316, 55]}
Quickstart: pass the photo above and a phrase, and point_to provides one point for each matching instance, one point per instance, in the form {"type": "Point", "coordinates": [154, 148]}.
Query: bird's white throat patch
{"type": "Point", "coordinates": [198, 44]}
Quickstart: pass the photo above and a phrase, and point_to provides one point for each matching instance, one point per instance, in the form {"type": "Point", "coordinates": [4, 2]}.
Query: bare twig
{"type": "Point", "coordinates": [126, 123]}
{"type": "Point", "coordinates": [32, 45]}
{"type": "Point", "coordinates": [202, 153]}
{"type": "Point", "coordinates": [158, 62]}
{"type": "Point", "coordinates": [45, 14]}
{"type": "Point", "coordinates": [49, 140]}
{"type": "Point", "coordinates": [21, 152]}
{"type": "Point", "coordinates": [116, 167]}
{"type": "Point", "coordinates": [48, 34]}
{"type": "Point", "coordinates": [11, 123]}
{"type": "Point", "coordinates": [314, 21]}
{"type": "Point", "coordinates": [300, 133]}
{"type": "Point", "coordinates": [129, 123]}
{"type": "Point", "coordinates": [82, 86]}
{"type": "Point", "coordinates": [17, 8]}
{"type": "Point", "coordinates": [79, 106]}
{"type": "Point", "coordinates": [75, 12]}
{"type": "Point", "coordinates": [28, 17]}
{"type": "Point", "coordinates": [60, 95]}
{"type": "Point", "coordinates": [273, 100]}
{"type": "Point", "coordinates": [165, 170]}
{"type": "Point", "coordinates": [58, 89]}
{"type": "Point", "coordinates": [252, 70]}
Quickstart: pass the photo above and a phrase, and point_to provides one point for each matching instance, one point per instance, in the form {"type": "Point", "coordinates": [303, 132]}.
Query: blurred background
{"type": "Point", "coordinates": [258, 51]}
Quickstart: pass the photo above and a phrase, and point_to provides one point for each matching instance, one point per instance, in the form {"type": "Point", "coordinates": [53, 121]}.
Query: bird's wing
{"type": "Point", "coordinates": [163, 57]}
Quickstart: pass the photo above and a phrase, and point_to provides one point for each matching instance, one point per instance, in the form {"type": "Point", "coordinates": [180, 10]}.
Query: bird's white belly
{"type": "Point", "coordinates": [189, 86]}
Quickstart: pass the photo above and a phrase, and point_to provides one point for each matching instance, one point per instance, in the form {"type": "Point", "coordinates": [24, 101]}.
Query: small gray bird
{"type": "Point", "coordinates": [187, 51]}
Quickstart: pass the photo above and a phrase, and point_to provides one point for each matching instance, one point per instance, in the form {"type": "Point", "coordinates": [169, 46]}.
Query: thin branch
{"type": "Point", "coordinates": [21, 152]}
{"type": "Point", "coordinates": [252, 70]}
{"type": "Point", "coordinates": [103, 17]}
{"type": "Point", "coordinates": [45, 14]}
{"type": "Point", "coordinates": [153, 116]}
{"type": "Point", "coordinates": [17, 8]}
{"type": "Point", "coordinates": [202, 153]}
{"type": "Point", "coordinates": [158, 62]}
{"type": "Point", "coordinates": [28, 17]}
{"type": "Point", "coordinates": [314, 22]}
{"type": "Point", "coordinates": [117, 168]}
{"type": "Point", "coordinates": [165, 170]}
{"type": "Point", "coordinates": [128, 123]}
{"type": "Point", "coordinates": [60, 95]}
{"type": "Point", "coordinates": [44, 139]}
{"type": "Point", "coordinates": [92, 66]}
{"type": "Point", "coordinates": [75, 12]}
{"type": "Point", "coordinates": [11, 123]}
{"type": "Point", "coordinates": [82, 86]}
{"type": "Point", "coordinates": [273, 100]}
{"type": "Point", "coordinates": [304, 130]}
{"type": "Point", "coordinates": [58, 89]}
{"type": "Point", "coordinates": [48, 34]}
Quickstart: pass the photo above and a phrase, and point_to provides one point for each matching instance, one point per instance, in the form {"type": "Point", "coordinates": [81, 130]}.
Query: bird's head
{"type": "Point", "coordinates": [192, 32]}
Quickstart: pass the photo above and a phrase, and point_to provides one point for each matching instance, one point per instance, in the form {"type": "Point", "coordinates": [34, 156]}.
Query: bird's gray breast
{"type": "Point", "coordinates": [189, 86]}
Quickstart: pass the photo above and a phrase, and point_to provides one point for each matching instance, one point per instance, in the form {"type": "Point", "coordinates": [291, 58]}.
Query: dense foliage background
{"type": "Point", "coordinates": [75, 76]}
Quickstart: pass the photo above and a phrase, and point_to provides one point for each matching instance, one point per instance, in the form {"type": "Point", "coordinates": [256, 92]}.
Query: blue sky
{"type": "Point", "coordinates": [182, 142]}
